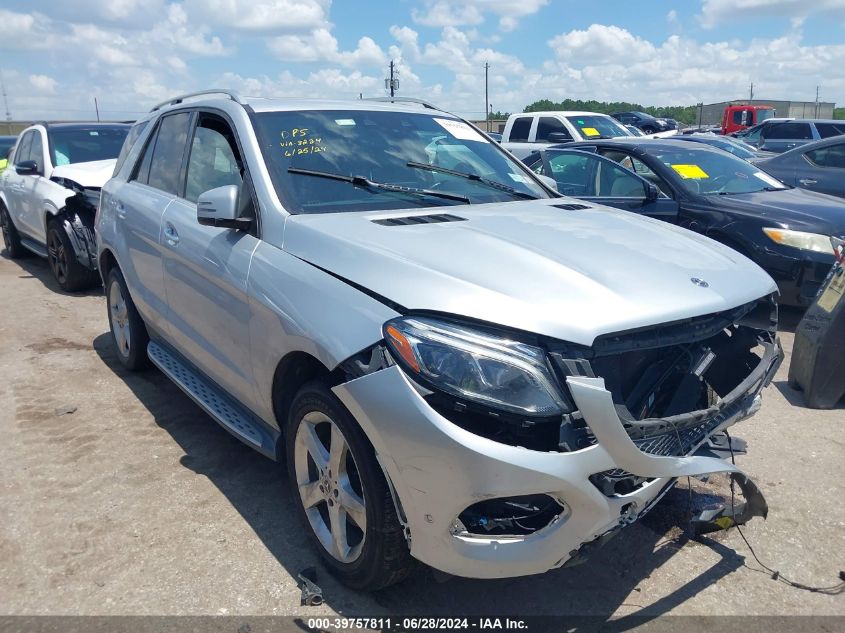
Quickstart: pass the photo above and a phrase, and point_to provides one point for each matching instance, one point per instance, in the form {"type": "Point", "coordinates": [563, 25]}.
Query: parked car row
{"type": "Point", "coordinates": [460, 363]}
{"type": "Point", "coordinates": [785, 230]}
{"type": "Point", "coordinates": [780, 135]}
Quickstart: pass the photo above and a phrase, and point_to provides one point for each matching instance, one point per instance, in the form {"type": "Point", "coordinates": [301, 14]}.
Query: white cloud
{"type": "Point", "coordinates": [321, 46]}
{"type": "Point", "coordinates": [22, 31]}
{"type": "Point", "coordinates": [262, 15]}
{"type": "Point", "coordinates": [454, 13]}
{"type": "Point", "coordinates": [610, 63]}
{"type": "Point", "coordinates": [715, 12]}
{"type": "Point", "coordinates": [43, 84]}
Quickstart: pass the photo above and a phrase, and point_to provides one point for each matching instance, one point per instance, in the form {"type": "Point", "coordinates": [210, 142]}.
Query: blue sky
{"type": "Point", "coordinates": [56, 56]}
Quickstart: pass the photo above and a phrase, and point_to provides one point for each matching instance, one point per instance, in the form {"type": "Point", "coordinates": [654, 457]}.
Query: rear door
{"type": "Point", "coordinates": [205, 267]}
{"type": "Point", "coordinates": [597, 179]}
{"type": "Point", "coordinates": [139, 205]}
{"type": "Point", "coordinates": [14, 182]}
{"type": "Point", "coordinates": [823, 170]}
{"type": "Point", "coordinates": [33, 190]}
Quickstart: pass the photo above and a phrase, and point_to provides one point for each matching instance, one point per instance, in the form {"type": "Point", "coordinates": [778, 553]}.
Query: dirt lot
{"type": "Point", "coordinates": [119, 496]}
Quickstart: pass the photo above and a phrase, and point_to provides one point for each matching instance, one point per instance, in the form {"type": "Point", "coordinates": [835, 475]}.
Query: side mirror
{"type": "Point", "coordinates": [219, 207]}
{"type": "Point", "coordinates": [558, 137]}
{"type": "Point", "coordinates": [27, 168]}
{"type": "Point", "coordinates": [551, 183]}
{"type": "Point", "coordinates": [651, 191]}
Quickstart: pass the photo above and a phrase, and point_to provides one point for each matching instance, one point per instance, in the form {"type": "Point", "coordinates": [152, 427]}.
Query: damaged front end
{"type": "Point", "coordinates": [494, 480]}
{"type": "Point", "coordinates": [78, 218]}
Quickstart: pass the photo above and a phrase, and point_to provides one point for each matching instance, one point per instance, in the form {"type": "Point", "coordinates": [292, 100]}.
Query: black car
{"type": "Point", "coordinates": [732, 145]}
{"type": "Point", "coordinates": [645, 122]}
{"type": "Point", "coordinates": [818, 166]}
{"type": "Point", "coordinates": [784, 230]}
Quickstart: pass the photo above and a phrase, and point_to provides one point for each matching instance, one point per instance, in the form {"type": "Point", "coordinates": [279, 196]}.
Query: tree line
{"type": "Point", "coordinates": [684, 114]}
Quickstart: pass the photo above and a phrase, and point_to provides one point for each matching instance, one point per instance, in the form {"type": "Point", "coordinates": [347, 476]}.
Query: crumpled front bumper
{"type": "Point", "coordinates": [438, 469]}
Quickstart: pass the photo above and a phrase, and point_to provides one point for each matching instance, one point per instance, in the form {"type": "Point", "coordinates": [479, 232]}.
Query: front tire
{"type": "Point", "coordinates": [11, 238]}
{"type": "Point", "coordinates": [127, 327]}
{"type": "Point", "coordinates": [341, 494]}
{"type": "Point", "coordinates": [67, 271]}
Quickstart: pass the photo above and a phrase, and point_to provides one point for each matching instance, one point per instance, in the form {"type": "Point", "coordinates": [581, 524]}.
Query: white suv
{"type": "Point", "coordinates": [50, 191]}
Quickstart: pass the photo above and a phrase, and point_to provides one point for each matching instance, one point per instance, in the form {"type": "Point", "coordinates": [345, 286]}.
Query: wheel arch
{"type": "Point", "coordinates": [294, 370]}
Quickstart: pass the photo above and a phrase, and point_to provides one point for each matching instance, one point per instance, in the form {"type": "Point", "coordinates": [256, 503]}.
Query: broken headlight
{"type": "Point", "coordinates": [478, 367]}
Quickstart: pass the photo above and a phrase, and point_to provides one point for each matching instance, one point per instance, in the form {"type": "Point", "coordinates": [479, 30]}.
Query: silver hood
{"type": "Point", "coordinates": [570, 275]}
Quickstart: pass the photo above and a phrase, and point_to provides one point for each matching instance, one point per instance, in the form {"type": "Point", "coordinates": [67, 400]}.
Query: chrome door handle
{"type": "Point", "coordinates": [170, 234]}
{"type": "Point", "coordinates": [808, 181]}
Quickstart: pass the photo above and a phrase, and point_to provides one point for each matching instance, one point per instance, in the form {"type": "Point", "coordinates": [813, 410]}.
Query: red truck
{"type": "Point", "coordinates": [739, 117]}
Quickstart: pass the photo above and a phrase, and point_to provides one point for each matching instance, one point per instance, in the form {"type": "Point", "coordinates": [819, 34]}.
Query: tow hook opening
{"type": "Point", "coordinates": [509, 516]}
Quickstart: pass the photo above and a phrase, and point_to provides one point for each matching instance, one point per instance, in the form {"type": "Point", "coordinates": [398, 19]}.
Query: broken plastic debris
{"type": "Point", "coordinates": [312, 595]}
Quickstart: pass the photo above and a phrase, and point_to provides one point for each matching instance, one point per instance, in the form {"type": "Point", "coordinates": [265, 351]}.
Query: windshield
{"type": "Point", "coordinates": [737, 148]}
{"type": "Point", "coordinates": [370, 149]}
{"type": "Point", "coordinates": [709, 172]}
{"type": "Point", "coordinates": [84, 145]}
{"type": "Point", "coordinates": [598, 126]}
{"type": "Point", "coordinates": [762, 115]}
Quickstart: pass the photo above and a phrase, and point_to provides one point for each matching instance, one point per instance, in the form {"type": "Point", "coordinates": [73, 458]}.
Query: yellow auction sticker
{"type": "Point", "coordinates": [834, 291]}
{"type": "Point", "coordinates": [693, 172]}
{"type": "Point", "coordinates": [590, 131]}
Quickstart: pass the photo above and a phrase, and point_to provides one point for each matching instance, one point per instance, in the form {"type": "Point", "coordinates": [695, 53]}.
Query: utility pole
{"type": "Point", "coordinates": [817, 102]}
{"type": "Point", "coordinates": [97, 109]}
{"type": "Point", "coordinates": [486, 98]}
{"type": "Point", "coordinates": [751, 96]}
{"type": "Point", "coordinates": [5, 98]}
{"type": "Point", "coordinates": [392, 83]}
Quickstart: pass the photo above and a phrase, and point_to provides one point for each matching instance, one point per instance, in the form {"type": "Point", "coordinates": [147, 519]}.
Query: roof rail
{"type": "Point", "coordinates": [421, 102]}
{"type": "Point", "coordinates": [234, 96]}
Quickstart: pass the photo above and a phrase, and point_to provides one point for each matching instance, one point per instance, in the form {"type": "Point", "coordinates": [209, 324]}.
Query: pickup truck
{"type": "Point", "coordinates": [49, 194]}
{"type": "Point", "coordinates": [528, 132]}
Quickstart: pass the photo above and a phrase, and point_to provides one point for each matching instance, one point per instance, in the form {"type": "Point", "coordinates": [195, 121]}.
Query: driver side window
{"type": "Point", "coordinates": [214, 160]}
{"type": "Point", "coordinates": [639, 168]}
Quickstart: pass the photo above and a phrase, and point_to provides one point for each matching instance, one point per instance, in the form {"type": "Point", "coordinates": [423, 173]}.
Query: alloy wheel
{"type": "Point", "coordinates": [4, 226]}
{"type": "Point", "coordinates": [57, 257]}
{"type": "Point", "coordinates": [119, 319]}
{"type": "Point", "coordinates": [329, 486]}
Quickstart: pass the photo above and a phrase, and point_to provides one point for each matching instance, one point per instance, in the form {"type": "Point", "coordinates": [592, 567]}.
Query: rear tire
{"type": "Point", "coordinates": [129, 333]}
{"type": "Point", "coordinates": [338, 485]}
{"type": "Point", "coordinates": [67, 271]}
{"type": "Point", "coordinates": [11, 238]}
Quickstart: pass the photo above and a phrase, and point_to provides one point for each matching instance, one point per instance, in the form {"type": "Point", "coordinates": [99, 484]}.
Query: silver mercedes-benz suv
{"type": "Point", "coordinates": [459, 365]}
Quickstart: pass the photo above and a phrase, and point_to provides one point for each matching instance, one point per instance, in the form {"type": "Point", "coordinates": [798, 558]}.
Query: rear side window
{"type": "Point", "coordinates": [799, 131]}
{"type": "Point", "coordinates": [520, 130]}
{"type": "Point", "coordinates": [831, 156]}
{"type": "Point", "coordinates": [548, 124]}
{"type": "Point", "coordinates": [134, 132]}
{"type": "Point", "coordinates": [161, 166]}
{"type": "Point", "coordinates": [826, 130]}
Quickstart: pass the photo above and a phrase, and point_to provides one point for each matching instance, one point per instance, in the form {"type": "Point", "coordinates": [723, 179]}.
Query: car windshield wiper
{"type": "Point", "coordinates": [493, 184]}
{"type": "Point", "coordinates": [360, 181]}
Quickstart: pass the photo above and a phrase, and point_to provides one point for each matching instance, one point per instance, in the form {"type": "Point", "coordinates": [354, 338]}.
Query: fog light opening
{"type": "Point", "coordinates": [510, 516]}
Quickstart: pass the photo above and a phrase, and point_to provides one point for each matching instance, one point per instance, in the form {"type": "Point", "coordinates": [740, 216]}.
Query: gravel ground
{"type": "Point", "coordinates": [119, 496]}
